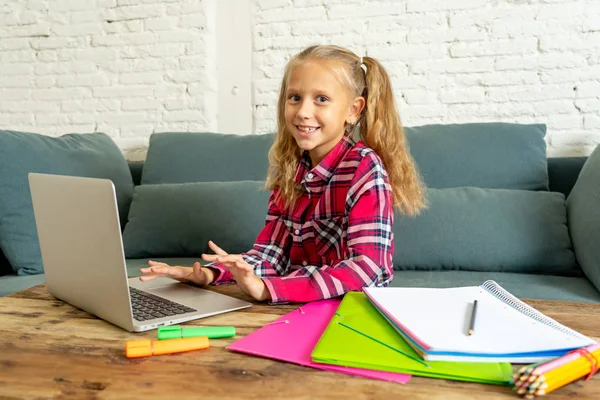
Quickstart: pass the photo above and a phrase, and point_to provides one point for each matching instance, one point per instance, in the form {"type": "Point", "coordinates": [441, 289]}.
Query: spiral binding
{"type": "Point", "coordinates": [501, 294]}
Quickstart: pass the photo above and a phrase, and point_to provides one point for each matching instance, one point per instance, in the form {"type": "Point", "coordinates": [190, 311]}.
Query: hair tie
{"type": "Point", "coordinates": [583, 352]}
{"type": "Point", "coordinates": [363, 66]}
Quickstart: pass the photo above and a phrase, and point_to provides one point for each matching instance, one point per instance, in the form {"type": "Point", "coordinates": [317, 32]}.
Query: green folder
{"type": "Point", "coordinates": [359, 336]}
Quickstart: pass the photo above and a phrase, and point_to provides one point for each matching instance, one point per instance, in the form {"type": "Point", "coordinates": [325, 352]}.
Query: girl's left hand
{"type": "Point", "coordinates": [242, 272]}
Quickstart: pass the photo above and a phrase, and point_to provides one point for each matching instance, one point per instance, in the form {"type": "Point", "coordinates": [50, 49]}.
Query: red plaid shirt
{"type": "Point", "coordinates": [337, 238]}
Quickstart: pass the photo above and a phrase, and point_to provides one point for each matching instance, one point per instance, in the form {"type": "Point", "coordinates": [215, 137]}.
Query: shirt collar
{"type": "Point", "coordinates": [326, 168]}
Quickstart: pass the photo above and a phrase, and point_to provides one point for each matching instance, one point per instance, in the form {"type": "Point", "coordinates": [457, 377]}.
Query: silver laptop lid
{"type": "Point", "coordinates": [80, 239]}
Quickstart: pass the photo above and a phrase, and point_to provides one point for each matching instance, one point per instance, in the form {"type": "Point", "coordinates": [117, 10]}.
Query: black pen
{"type": "Point", "coordinates": [473, 313]}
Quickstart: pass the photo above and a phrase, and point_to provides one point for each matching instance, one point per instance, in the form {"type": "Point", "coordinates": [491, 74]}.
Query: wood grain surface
{"type": "Point", "coordinates": [51, 350]}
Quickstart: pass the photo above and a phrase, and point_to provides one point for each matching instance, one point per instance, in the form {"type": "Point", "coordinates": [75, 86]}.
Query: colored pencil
{"type": "Point", "coordinates": [539, 370]}
{"type": "Point", "coordinates": [542, 378]}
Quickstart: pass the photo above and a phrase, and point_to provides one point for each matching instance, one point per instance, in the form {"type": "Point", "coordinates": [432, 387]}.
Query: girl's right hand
{"type": "Point", "coordinates": [197, 274]}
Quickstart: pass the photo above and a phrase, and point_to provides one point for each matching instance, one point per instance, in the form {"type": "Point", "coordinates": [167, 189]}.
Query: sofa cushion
{"type": "Point", "coordinates": [583, 207]}
{"type": "Point", "coordinates": [524, 286]}
{"type": "Point", "coordinates": [178, 220]}
{"type": "Point", "coordinates": [206, 157]}
{"type": "Point", "coordinates": [10, 284]}
{"type": "Point", "coordinates": [487, 230]}
{"type": "Point", "coordinates": [485, 155]}
{"type": "Point", "coordinates": [91, 155]}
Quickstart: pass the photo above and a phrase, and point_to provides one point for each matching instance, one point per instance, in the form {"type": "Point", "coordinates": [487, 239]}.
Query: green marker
{"type": "Point", "coordinates": [212, 332]}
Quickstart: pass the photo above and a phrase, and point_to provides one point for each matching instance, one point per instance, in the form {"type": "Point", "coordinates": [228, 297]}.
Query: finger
{"type": "Point", "coordinates": [244, 268]}
{"type": "Point", "coordinates": [156, 263]}
{"type": "Point", "coordinates": [161, 270]}
{"type": "Point", "coordinates": [232, 258]}
{"type": "Point", "coordinates": [147, 278]}
{"type": "Point", "coordinates": [244, 265]}
{"type": "Point", "coordinates": [229, 265]}
{"type": "Point", "coordinates": [157, 272]}
{"type": "Point", "coordinates": [197, 267]}
{"type": "Point", "coordinates": [152, 273]}
{"type": "Point", "coordinates": [210, 257]}
{"type": "Point", "coordinates": [146, 271]}
{"type": "Point", "coordinates": [151, 270]}
{"type": "Point", "coordinates": [216, 248]}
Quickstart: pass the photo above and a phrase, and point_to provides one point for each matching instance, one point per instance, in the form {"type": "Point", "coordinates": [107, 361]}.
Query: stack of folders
{"type": "Point", "coordinates": [392, 333]}
{"type": "Point", "coordinates": [438, 321]}
{"type": "Point", "coordinates": [359, 336]}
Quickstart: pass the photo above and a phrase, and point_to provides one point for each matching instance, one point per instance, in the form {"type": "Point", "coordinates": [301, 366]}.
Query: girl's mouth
{"type": "Point", "coordinates": [307, 130]}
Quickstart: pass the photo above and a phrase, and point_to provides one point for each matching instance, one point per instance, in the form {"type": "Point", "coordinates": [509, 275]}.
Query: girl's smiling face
{"type": "Point", "coordinates": [317, 108]}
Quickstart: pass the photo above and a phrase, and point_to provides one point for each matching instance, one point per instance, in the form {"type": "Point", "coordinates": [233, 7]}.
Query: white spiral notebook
{"type": "Point", "coordinates": [435, 322]}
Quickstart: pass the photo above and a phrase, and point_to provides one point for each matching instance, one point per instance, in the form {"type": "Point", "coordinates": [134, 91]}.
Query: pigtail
{"type": "Point", "coordinates": [284, 156]}
{"type": "Point", "coordinates": [381, 130]}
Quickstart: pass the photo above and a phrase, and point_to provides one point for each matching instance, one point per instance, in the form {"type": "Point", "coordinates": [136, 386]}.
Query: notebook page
{"type": "Point", "coordinates": [438, 320]}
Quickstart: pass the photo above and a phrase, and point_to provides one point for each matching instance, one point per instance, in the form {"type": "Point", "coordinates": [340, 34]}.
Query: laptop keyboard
{"type": "Point", "coordinates": [148, 306]}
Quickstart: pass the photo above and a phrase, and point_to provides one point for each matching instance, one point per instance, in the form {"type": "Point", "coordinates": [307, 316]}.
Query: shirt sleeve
{"type": "Point", "coordinates": [369, 250]}
{"type": "Point", "coordinates": [270, 254]}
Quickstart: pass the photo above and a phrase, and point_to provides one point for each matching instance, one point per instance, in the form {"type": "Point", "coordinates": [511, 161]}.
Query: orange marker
{"type": "Point", "coordinates": [147, 347]}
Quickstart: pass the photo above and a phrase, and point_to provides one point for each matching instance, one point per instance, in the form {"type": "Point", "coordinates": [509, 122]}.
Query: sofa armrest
{"type": "Point", "coordinates": [583, 209]}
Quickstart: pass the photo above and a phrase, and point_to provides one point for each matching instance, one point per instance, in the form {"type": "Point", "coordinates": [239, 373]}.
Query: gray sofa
{"type": "Point", "coordinates": [498, 210]}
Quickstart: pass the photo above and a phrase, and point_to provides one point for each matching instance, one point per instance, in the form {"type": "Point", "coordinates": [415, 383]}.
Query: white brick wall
{"type": "Point", "coordinates": [124, 67]}
{"type": "Point", "coordinates": [454, 61]}
{"type": "Point", "coordinates": [133, 67]}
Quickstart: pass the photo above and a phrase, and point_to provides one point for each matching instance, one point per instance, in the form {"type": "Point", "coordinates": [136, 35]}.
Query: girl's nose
{"type": "Point", "coordinates": [305, 110]}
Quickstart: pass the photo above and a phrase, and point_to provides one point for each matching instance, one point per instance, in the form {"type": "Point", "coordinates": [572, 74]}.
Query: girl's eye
{"type": "Point", "coordinates": [322, 99]}
{"type": "Point", "coordinates": [294, 97]}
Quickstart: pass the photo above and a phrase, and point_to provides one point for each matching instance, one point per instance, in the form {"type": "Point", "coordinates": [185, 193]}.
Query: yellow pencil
{"type": "Point", "coordinates": [580, 371]}
{"type": "Point", "coordinates": [580, 363]}
{"type": "Point", "coordinates": [561, 381]}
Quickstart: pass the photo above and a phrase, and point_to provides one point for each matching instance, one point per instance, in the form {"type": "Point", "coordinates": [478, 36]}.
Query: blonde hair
{"type": "Point", "coordinates": [379, 127]}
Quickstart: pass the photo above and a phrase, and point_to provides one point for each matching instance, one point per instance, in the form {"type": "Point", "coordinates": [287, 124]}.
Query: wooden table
{"type": "Point", "coordinates": [51, 350]}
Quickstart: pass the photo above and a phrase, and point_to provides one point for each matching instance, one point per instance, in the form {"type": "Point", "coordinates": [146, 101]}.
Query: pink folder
{"type": "Point", "coordinates": [293, 341]}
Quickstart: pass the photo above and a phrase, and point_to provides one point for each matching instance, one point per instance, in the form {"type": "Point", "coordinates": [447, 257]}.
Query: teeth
{"type": "Point", "coordinates": [307, 129]}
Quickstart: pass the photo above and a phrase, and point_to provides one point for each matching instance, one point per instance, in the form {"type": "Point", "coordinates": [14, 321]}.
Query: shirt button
{"type": "Point", "coordinates": [297, 231]}
{"type": "Point", "coordinates": [304, 263]}
{"type": "Point", "coordinates": [310, 175]}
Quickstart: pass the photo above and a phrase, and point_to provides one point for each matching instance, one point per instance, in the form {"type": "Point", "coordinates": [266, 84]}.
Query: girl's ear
{"type": "Point", "coordinates": [358, 104]}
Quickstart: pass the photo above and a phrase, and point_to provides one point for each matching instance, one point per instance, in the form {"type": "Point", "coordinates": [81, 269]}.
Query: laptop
{"type": "Point", "coordinates": [82, 252]}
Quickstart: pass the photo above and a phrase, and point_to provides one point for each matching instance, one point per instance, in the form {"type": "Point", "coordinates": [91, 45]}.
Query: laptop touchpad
{"type": "Point", "coordinates": [177, 292]}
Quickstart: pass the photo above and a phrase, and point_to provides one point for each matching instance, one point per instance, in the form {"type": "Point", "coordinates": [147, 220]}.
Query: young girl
{"type": "Point", "coordinates": [329, 223]}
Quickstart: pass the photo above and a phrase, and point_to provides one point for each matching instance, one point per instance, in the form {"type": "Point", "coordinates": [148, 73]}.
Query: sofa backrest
{"type": "Point", "coordinates": [484, 155]}
{"type": "Point", "coordinates": [562, 172]}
